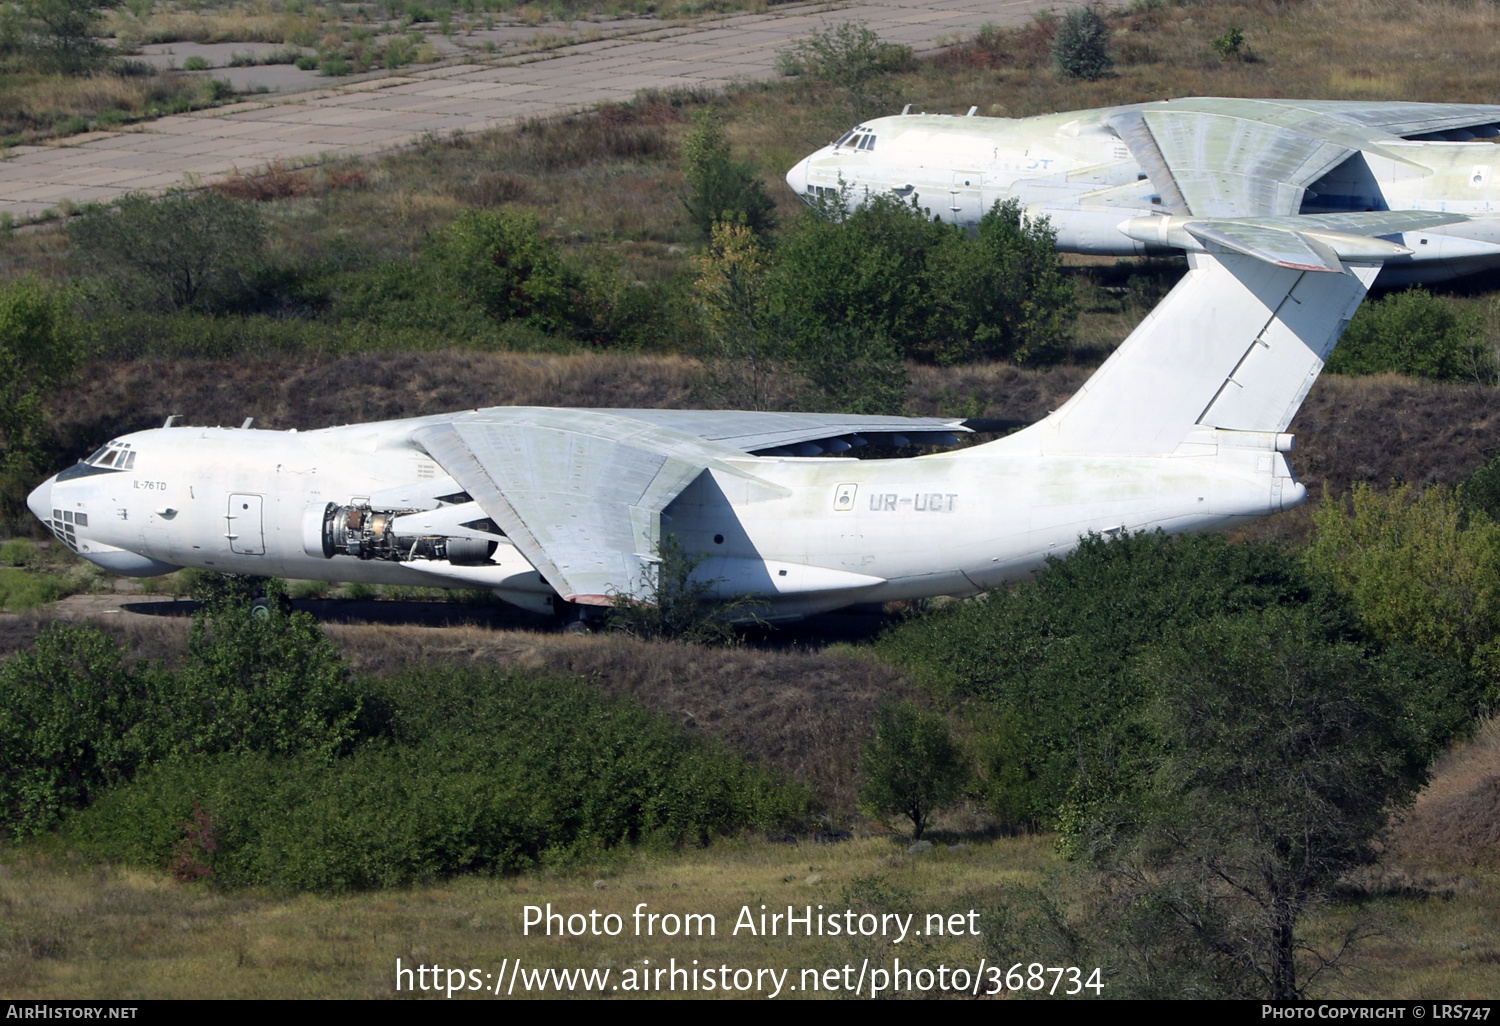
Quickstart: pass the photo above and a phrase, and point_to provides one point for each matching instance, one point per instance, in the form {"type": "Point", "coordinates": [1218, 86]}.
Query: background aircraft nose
{"type": "Point", "coordinates": [40, 500]}
{"type": "Point", "coordinates": [797, 177]}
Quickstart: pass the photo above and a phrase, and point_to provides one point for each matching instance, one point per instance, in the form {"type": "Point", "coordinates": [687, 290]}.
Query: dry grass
{"type": "Point", "coordinates": [32, 104]}
{"type": "Point", "coordinates": [1456, 820]}
{"type": "Point", "coordinates": [72, 930]}
{"type": "Point", "coordinates": [228, 25]}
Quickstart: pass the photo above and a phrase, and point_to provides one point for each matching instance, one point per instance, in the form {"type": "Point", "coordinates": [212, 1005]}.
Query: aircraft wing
{"type": "Point", "coordinates": [1218, 157]}
{"type": "Point", "coordinates": [580, 492]}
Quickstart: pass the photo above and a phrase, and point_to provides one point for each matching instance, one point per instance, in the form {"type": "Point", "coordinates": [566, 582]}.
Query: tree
{"type": "Point", "coordinates": [180, 251]}
{"type": "Point", "coordinates": [41, 342]}
{"type": "Point", "coordinates": [885, 269]}
{"type": "Point", "coordinates": [1000, 295]}
{"type": "Point", "coordinates": [746, 355]}
{"type": "Point", "coordinates": [911, 766]}
{"type": "Point", "coordinates": [759, 359]}
{"type": "Point", "coordinates": [58, 35]}
{"type": "Point", "coordinates": [721, 189]}
{"type": "Point", "coordinates": [1423, 569]}
{"type": "Point", "coordinates": [1281, 757]}
{"type": "Point", "coordinates": [1081, 47]}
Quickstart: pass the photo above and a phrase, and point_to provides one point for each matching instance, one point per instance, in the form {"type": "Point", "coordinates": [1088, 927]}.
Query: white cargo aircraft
{"type": "Point", "coordinates": [1118, 180]}
{"type": "Point", "coordinates": [1182, 429]}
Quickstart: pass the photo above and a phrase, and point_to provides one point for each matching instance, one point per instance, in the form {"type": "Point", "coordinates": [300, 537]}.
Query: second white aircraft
{"type": "Point", "coordinates": [1120, 181]}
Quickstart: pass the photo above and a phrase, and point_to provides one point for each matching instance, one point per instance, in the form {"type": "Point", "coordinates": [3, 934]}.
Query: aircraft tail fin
{"type": "Point", "coordinates": [1234, 347]}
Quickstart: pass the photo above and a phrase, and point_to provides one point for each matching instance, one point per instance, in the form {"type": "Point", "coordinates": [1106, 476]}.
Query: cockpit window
{"type": "Point", "coordinates": [867, 143]}
{"type": "Point", "coordinates": [115, 454]}
{"type": "Point", "coordinates": [845, 138]}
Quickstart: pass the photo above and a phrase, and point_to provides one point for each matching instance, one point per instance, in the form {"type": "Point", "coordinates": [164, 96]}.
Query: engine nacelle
{"type": "Point", "coordinates": [367, 533]}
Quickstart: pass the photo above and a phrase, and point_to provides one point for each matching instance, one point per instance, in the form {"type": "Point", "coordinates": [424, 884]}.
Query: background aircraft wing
{"type": "Point", "coordinates": [1218, 157]}
{"type": "Point", "coordinates": [580, 492]}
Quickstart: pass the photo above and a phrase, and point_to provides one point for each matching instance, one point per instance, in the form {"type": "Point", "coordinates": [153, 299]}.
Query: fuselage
{"type": "Point", "coordinates": [1074, 169]}
{"type": "Point", "coordinates": [813, 534]}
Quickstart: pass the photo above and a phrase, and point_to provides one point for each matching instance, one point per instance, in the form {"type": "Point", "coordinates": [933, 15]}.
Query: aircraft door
{"type": "Point", "coordinates": [964, 196]}
{"type": "Point", "coordinates": [245, 525]}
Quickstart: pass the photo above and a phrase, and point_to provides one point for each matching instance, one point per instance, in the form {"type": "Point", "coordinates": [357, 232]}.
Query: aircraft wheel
{"type": "Point", "coordinates": [579, 626]}
{"type": "Point", "coordinates": [260, 609]}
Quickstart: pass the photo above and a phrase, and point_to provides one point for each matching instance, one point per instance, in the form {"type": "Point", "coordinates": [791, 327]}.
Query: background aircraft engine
{"type": "Point", "coordinates": [367, 533]}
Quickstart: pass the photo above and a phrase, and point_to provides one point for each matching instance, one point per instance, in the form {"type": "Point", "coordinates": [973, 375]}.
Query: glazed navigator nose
{"type": "Point", "coordinates": [40, 500]}
{"type": "Point", "coordinates": [797, 177]}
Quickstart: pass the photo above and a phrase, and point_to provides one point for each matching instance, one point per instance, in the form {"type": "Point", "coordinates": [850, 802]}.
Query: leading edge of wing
{"type": "Point", "coordinates": [579, 493]}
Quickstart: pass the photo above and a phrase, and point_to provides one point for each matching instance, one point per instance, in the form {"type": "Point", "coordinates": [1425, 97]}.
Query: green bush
{"type": "Point", "coordinates": [721, 189]}
{"type": "Point", "coordinates": [499, 262]}
{"type": "Point", "coordinates": [485, 772]}
{"type": "Point", "coordinates": [1081, 47]}
{"type": "Point", "coordinates": [70, 725]}
{"type": "Point", "coordinates": [41, 343]}
{"type": "Point", "coordinates": [180, 251]}
{"type": "Point", "coordinates": [1423, 569]}
{"type": "Point", "coordinates": [935, 291]}
{"type": "Point", "coordinates": [1415, 333]}
{"type": "Point", "coordinates": [1050, 658]}
{"type": "Point", "coordinates": [911, 766]}
{"type": "Point", "coordinates": [847, 55]}
{"type": "Point", "coordinates": [1229, 44]}
{"type": "Point", "coordinates": [195, 63]}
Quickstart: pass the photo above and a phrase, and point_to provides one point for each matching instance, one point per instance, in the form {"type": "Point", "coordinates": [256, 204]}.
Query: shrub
{"type": "Point", "coordinates": [721, 189]}
{"type": "Point", "coordinates": [195, 63]}
{"type": "Point", "coordinates": [1415, 333]}
{"type": "Point", "coordinates": [1051, 658]}
{"type": "Point", "coordinates": [484, 772]}
{"type": "Point", "coordinates": [180, 251]}
{"type": "Point", "coordinates": [935, 291]}
{"type": "Point", "coordinates": [1421, 569]}
{"type": "Point", "coordinates": [1228, 45]}
{"type": "Point", "coordinates": [847, 55]}
{"type": "Point", "coordinates": [499, 262]}
{"type": "Point", "coordinates": [911, 766]}
{"type": "Point", "coordinates": [668, 603]}
{"type": "Point", "coordinates": [41, 342]}
{"type": "Point", "coordinates": [1081, 47]}
{"type": "Point", "coordinates": [70, 725]}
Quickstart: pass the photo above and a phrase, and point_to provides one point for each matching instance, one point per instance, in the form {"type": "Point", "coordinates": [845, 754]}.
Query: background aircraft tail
{"type": "Point", "coordinates": [1235, 346]}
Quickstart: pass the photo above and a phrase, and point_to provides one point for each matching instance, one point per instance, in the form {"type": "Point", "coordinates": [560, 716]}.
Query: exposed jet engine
{"type": "Point", "coordinates": [395, 534]}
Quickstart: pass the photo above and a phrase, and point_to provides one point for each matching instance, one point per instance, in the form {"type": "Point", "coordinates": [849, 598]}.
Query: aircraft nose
{"type": "Point", "coordinates": [797, 177]}
{"type": "Point", "coordinates": [40, 500]}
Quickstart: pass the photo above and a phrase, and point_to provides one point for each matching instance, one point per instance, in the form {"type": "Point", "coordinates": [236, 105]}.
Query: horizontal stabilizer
{"type": "Point", "coordinates": [1299, 242]}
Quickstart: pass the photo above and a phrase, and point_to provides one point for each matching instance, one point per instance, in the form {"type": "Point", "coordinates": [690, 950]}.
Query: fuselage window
{"type": "Point", "coordinates": [67, 516]}
{"type": "Point", "coordinates": [82, 519]}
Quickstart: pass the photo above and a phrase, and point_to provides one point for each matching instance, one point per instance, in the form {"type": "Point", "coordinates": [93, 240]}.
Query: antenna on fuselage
{"type": "Point", "coordinates": [971, 111]}
{"type": "Point", "coordinates": [246, 426]}
{"type": "Point", "coordinates": [172, 420]}
{"type": "Point", "coordinates": [906, 110]}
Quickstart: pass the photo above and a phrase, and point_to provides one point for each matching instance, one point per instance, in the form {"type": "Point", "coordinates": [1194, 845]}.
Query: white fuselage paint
{"type": "Point", "coordinates": [1075, 171]}
{"type": "Point", "coordinates": [950, 523]}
